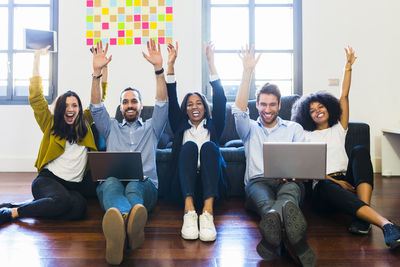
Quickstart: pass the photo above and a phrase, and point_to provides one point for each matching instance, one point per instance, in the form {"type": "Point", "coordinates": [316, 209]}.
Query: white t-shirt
{"type": "Point", "coordinates": [334, 137]}
{"type": "Point", "coordinates": [70, 166]}
{"type": "Point", "coordinates": [198, 135]}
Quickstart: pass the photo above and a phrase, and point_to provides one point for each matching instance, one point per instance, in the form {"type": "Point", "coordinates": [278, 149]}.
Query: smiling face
{"type": "Point", "coordinates": [319, 114]}
{"type": "Point", "coordinates": [130, 106]}
{"type": "Point", "coordinates": [195, 109]}
{"type": "Point", "coordinates": [71, 110]}
{"type": "Point", "coordinates": [268, 108]}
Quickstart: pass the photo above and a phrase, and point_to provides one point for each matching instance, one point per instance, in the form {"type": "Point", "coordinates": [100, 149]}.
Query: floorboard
{"type": "Point", "coordinates": [39, 242]}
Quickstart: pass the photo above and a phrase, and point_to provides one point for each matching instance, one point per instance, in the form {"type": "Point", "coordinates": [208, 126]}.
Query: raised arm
{"type": "Point", "coordinates": [36, 98]}
{"type": "Point", "coordinates": [175, 114]}
{"type": "Point", "coordinates": [100, 60]}
{"type": "Point", "coordinates": [219, 99]}
{"type": "Point", "coordinates": [155, 58]}
{"type": "Point", "coordinates": [344, 98]}
{"type": "Point", "coordinates": [249, 63]}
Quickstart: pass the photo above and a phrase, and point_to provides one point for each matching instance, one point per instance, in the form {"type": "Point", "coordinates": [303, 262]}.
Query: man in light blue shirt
{"type": "Point", "coordinates": [272, 199]}
{"type": "Point", "coordinates": [126, 206]}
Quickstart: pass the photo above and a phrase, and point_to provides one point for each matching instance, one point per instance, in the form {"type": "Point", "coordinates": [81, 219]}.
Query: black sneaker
{"type": "Point", "coordinates": [271, 230]}
{"type": "Point", "coordinates": [392, 235]}
{"type": "Point", "coordinates": [295, 228]}
{"type": "Point", "coordinates": [359, 227]}
{"type": "Point", "coordinates": [5, 215]}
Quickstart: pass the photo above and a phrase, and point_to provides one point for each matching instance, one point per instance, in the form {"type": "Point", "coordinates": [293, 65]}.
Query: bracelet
{"type": "Point", "coordinates": [348, 69]}
{"type": "Point", "coordinates": [97, 77]}
{"type": "Point", "coordinates": [158, 72]}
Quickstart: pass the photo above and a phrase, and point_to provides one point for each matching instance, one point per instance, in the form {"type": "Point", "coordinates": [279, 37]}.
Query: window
{"type": "Point", "coordinates": [15, 62]}
{"type": "Point", "coordinates": [273, 26]}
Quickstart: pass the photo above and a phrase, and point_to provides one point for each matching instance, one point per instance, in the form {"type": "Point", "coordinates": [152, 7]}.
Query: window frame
{"type": "Point", "coordinates": [297, 50]}
{"type": "Point", "coordinates": [10, 98]}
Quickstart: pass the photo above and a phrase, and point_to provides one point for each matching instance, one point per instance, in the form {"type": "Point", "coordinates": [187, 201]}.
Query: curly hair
{"type": "Point", "coordinates": [301, 109]}
{"type": "Point", "coordinates": [207, 112]}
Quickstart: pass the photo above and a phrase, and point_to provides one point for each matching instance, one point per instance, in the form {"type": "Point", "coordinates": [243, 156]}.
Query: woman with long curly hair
{"type": "Point", "coordinates": [349, 183]}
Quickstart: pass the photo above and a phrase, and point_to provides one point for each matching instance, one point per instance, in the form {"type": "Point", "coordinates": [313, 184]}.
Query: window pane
{"type": "Point", "coordinates": [274, 1]}
{"type": "Point", "coordinates": [23, 63]}
{"type": "Point", "coordinates": [227, 2]}
{"type": "Point", "coordinates": [286, 87]}
{"type": "Point", "coordinates": [3, 28]}
{"type": "Point", "coordinates": [230, 87]}
{"type": "Point", "coordinates": [274, 27]}
{"type": "Point", "coordinates": [32, 18]}
{"type": "Point", "coordinates": [32, 2]}
{"type": "Point", "coordinates": [3, 74]}
{"type": "Point", "coordinates": [229, 66]}
{"type": "Point", "coordinates": [230, 27]}
{"type": "Point", "coordinates": [275, 66]}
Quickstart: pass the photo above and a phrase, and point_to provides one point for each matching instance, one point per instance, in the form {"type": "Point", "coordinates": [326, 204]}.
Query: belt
{"type": "Point", "coordinates": [335, 174]}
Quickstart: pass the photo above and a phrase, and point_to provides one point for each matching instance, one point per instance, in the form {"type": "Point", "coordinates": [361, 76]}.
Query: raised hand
{"type": "Point", "coordinates": [154, 56]}
{"type": "Point", "coordinates": [249, 62]}
{"type": "Point", "coordinates": [350, 57]}
{"type": "Point", "coordinates": [36, 59]}
{"type": "Point", "coordinates": [172, 53]}
{"type": "Point", "coordinates": [209, 51]}
{"type": "Point", "coordinates": [100, 59]}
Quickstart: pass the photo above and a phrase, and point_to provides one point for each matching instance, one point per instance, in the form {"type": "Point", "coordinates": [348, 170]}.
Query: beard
{"type": "Point", "coordinates": [270, 121]}
{"type": "Point", "coordinates": [131, 117]}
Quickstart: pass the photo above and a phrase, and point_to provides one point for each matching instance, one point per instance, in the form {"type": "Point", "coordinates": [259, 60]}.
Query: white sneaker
{"type": "Point", "coordinates": [207, 228]}
{"type": "Point", "coordinates": [190, 229]}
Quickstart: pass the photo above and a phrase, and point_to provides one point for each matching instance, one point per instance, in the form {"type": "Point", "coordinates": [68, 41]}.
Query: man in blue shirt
{"type": "Point", "coordinates": [126, 206]}
{"type": "Point", "coordinates": [271, 199]}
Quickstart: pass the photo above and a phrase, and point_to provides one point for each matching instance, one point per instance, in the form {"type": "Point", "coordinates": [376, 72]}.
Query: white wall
{"type": "Point", "coordinates": [20, 134]}
{"type": "Point", "coordinates": [370, 26]}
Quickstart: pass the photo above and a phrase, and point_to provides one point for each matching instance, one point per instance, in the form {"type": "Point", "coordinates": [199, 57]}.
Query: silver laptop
{"type": "Point", "coordinates": [126, 166]}
{"type": "Point", "coordinates": [295, 160]}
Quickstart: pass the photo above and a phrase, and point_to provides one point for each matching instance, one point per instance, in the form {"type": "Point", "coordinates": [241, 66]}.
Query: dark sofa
{"type": "Point", "coordinates": [231, 146]}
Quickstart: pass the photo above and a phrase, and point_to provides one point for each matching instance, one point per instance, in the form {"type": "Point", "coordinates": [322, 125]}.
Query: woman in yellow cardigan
{"type": "Point", "coordinates": [62, 184]}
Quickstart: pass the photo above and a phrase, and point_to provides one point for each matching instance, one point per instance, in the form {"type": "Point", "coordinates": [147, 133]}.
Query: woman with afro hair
{"type": "Point", "coordinates": [349, 183]}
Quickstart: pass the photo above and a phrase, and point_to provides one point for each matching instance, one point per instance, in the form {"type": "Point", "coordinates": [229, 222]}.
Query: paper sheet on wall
{"type": "Point", "coordinates": [128, 22]}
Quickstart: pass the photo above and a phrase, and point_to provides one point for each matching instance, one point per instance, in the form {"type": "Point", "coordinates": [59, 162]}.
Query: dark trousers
{"type": "Point", "coordinates": [210, 169]}
{"type": "Point", "coordinates": [263, 194]}
{"type": "Point", "coordinates": [55, 198]}
{"type": "Point", "coordinates": [329, 196]}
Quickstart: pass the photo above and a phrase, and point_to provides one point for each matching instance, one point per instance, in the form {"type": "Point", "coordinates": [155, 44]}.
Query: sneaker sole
{"type": "Point", "coordinates": [271, 229]}
{"type": "Point", "coordinates": [296, 226]}
{"type": "Point", "coordinates": [264, 251]}
{"type": "Point", "coordinates": [114, 233]}
{"type": "Point", "coordinates": [207, 239]}
{"type": "Point", "coordinates": [395, 244]}
{"type": "Point", "coordinates": [135, 226]}
{"type": "Point", "coordinates": [360, 232]}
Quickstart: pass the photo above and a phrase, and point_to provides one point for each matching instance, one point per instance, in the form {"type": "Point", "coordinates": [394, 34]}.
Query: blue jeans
{"type": "Point", "coordinates": [113, 193]}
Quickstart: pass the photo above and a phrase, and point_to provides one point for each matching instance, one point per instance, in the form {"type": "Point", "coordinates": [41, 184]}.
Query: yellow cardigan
{"type": "Point", "coordinates": [51, 146]}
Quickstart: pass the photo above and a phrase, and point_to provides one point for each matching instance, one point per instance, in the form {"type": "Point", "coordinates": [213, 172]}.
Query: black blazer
{"type": "Point", "coordinates": [179, 124]}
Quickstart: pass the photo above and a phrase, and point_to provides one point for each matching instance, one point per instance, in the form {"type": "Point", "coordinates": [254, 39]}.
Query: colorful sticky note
{"type": "Point", "coordinates": [168, 10]}
{"type": "Point", "coordinates": [161, 17]}
{"type": "Point", "coordinates": [129, 41]}
{"type": "Point", "coordinates": [121, 26]}
{"type": "Point", "coordinates": [113, 41]}
{"type": "Point", "coordinates": [89, 41]}
{"type": "Point", "coordinates": [121, 33]}
{"type": "Point", "coordinates": [136, 17]}
{"type": "Point", "coordinates": [105, 26]}
{"type": "Point", "coordinates": [137, 3]}
{"type": "Point", "coordinates": [138, 40]}
{"type": "Point", "coordinates": [105, 11]}
{"type": "Point", "coordinates": [168, 18]}
{"type": "Point", "coordinates": [121, 41]}
{"type": "Point", "coordinates": [161, 40]}
{"type": "Point", "coordinates": [89, 4]}
{"type": "Point", "coordinates": [129, 33]}
{"type": "Point", "coordinates": [153, 25]}
{"type": "Point", "coordinates": [145, 25]}
{"type": "Point", "coordinates": [129, 2]}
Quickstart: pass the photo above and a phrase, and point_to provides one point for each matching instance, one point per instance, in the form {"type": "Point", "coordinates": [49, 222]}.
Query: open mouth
{"type": "Point", "coordinates": [320, 115]}
{"type": "Point", "coordinates": [196, 113]}
{"type": "Point", "coordinates": [70, 117]}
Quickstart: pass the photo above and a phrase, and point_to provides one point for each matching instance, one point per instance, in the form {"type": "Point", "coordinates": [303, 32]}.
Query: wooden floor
{"type": "Point", "coordinates": [32, 242]}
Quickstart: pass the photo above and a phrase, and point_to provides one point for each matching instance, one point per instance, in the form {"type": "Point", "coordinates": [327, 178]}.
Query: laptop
{"type": "Point", "coordinates": [295, 160]}
{"type": "Point", "coordinates": [126, 166]}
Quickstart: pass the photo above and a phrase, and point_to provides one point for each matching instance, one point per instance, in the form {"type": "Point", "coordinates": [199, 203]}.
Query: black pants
{"type": "Point", "coordinates": [55, 198]}
{"type": "Point", "coordinates": [330, 196]}
{"type": "Point", "coordinates": [210, 169]}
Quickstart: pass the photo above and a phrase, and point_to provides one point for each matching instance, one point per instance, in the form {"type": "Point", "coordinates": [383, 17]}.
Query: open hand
{"type": "Point", "coordinates": [249, 62]}
{"type": "Point", "coordinates": [154, 56]}
{"type": "Point", "coordinates": [100, 59]}
{"type": "Point", "coordinates": [172, 53]}
{"type": "Point", "coordinates": [350, 57]}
